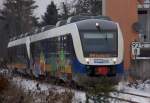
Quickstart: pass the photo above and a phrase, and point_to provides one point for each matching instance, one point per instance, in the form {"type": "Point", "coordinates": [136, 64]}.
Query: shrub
{"type": "Point", "coordinates": [10, 93]}
{"type": "Point", "coordinates": [63, 97]}
{"type": "Point", "coordinates": [95, 87]}
{"type": "Point", "coordinates": [3, 84]}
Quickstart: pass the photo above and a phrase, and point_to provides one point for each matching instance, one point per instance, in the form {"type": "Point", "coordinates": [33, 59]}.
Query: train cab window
{"type": "Point", "coordinates": [99, 43]}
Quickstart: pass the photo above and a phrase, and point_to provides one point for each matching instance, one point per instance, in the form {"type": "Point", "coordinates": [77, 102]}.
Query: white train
{"type": "Point", "coordinates": [91, 46]}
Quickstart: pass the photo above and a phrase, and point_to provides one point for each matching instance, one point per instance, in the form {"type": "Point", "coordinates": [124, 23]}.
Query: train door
{"type": "Point", "coordinates": [36, 52]}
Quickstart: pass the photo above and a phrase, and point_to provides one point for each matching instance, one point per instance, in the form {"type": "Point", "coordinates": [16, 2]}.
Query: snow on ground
{"type": "Point", "coordinates": [3, 71]}
{"type": "Point", "coordinates": [139, 88]}
{"type": "Point", "coordinates": [79, 97]}
{"type": "Point", "coordinates": [29, 84]}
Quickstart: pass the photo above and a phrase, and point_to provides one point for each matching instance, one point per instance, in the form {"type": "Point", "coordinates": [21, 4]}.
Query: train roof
{"type": "Point", "coordinates": [72, 28]}
{"type": "Point", "coordinates": [73, 19]}
{"type": "Point", "coordinates": [80, 18]}
{"type": "Point", "coordinates": [102, 24]}
{"type": "Point", "coordinates": [82, 23]}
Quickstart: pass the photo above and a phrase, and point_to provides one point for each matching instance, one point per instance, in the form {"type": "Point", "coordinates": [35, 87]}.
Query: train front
{"type": "Point", "coordinates": [102, 47]}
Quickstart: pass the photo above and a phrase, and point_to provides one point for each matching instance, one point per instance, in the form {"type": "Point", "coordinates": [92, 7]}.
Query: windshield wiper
{"type": "Point", "coordinates": [106, 37]}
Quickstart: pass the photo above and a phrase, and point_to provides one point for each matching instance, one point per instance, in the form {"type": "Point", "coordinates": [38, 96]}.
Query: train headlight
{"type": "Point", "coordinates": [87, 60]}
{"type": "Point", "coordinates": [114, 60]}
{"type": "Point", "coordinates": [97, 24]}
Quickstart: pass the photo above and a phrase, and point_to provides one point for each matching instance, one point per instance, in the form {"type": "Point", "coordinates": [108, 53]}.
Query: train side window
{"type": "Point", "coordinates": [69, 45]}
{"type": "Point", "coordinates": [21, 54]}
{"type": "Point", "coordinates": [18, 55]}
{"type": "Point", "coordinates": [58, 38]}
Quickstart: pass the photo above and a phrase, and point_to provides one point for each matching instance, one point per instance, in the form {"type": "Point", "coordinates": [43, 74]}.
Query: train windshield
{"type": "Point", "coordinates": [99, 43]}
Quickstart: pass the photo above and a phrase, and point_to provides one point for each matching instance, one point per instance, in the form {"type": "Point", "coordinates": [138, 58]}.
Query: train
{"type": "Point", "coordinates": [90, 46]}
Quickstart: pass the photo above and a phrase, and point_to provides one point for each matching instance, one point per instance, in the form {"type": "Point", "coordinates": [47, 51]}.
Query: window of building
{"type": "Point", "coordinates": [144, 20]}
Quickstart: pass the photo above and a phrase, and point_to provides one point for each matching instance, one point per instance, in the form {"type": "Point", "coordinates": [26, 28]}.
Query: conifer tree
{"type": "Point", "coordinates": [51, 15]}
{"type": "Point", "coordinates": [65, 11]}
{"type": "Point", "coordinates": [18, 16]}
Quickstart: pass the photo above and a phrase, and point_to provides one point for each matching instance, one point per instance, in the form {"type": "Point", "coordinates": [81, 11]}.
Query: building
{"type": "Point", "coordinates": [134, 19]}
{"type": "Point", "coordinates": [144, 20]}
{"type": "Point", "coordinates": [124, 12]}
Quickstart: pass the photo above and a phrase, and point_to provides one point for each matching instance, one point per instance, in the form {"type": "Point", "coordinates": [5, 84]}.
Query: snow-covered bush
{"type": "Point", "coordinates": [98, 86]}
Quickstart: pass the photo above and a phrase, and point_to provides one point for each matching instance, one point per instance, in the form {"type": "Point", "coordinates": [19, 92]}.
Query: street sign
{"type": "Point", "coordinates": [140, 50]}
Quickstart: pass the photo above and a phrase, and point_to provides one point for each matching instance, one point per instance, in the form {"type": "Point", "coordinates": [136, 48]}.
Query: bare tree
{"type": "Point", "coordinates": [92, 7]}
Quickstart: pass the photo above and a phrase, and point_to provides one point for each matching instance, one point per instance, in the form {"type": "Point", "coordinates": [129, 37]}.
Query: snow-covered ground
{"type": "Point", "coordinates": [31, 85]}
{"type": "Point", "coordinates": [79, 97]}
{"type": "Point", "coordinates": [138, 88]}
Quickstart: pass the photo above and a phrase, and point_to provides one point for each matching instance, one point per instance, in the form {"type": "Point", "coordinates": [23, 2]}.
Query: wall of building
{"type": "Point", "coordinates": [124, 12]}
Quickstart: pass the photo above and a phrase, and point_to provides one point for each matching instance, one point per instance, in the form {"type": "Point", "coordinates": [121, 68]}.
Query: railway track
{"type": "Point", "coordinates": [133, 94]}
{"type": "Point", "coordinates": [119, 93]}
{"type": "Point", "coordinates": [118, 99]}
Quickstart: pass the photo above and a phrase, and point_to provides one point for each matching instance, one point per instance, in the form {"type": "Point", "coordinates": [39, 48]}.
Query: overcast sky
{"type": "Point", "coordinates": [1, 1]}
